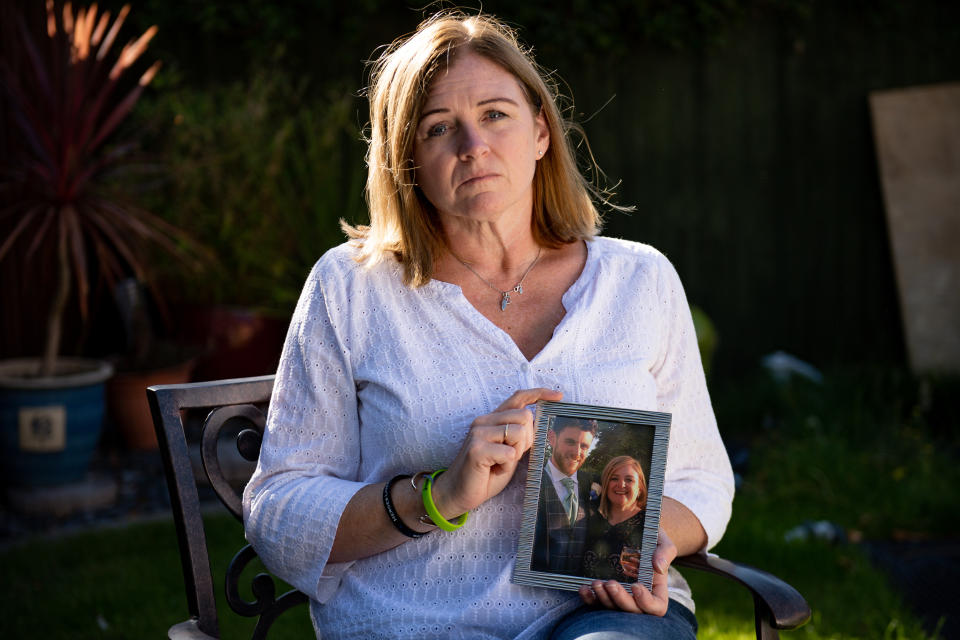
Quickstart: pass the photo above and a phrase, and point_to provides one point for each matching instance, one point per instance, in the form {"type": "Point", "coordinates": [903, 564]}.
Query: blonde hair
{"type": "Point", "coordinates": [608, 470]}
{"type": "Point", "coordinates": [402, 220]}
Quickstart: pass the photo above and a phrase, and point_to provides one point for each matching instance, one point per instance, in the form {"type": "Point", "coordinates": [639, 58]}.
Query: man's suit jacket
{"type": "Point", "coordinates": [557, 546]}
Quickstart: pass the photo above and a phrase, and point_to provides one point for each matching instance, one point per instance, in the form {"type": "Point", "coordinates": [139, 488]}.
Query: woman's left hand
{"type": "Point", "coordinates": [612, 595]}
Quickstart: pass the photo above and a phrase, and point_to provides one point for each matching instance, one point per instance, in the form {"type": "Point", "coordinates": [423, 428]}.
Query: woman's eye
{"type": "Point", "coordinates": [496, 115]}
{"type": "Point", "coordinates": [437, 130]}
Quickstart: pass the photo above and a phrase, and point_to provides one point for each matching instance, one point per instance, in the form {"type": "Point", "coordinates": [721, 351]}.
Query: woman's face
{"type": "Point", "coordinates": [623, 488]}
{"type": "Point", "coordinates": [477, 143]}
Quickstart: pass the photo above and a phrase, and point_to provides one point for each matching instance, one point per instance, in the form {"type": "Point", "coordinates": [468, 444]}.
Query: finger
{"type": "Point", "coordinates": [517, 435]}
{"type": "Point", "coordinates": [514, 427]}
{"type": "Point", "coordinates": [526, 397]}
{"type": "Point", "coordinates": [619, 597]}
{"type": "Point", "coordinates": [490, 454]}
{"type": "Point", "coordinates": [587, 595]}
{"type": "Point", "coordinates": [612, 595]}
{"type": "Point", "coordinates": [659, 586]}
{"type": "Point", "coordinates": [601, 595]}
{"type": "Point", "coordinates": [651, 603]}
{"type": "Point", "coordinates": [501, 417]}
{"type": "Point", "coordinates": [664, 553]}
{"type": "Point", "coordinates": [513, 434]}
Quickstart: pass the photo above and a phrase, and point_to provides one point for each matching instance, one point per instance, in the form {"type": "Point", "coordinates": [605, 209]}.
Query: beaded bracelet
{"type": "Point", "coordinates": [392, 511]}
{"type": "Point", "coordinates": [431, 507]}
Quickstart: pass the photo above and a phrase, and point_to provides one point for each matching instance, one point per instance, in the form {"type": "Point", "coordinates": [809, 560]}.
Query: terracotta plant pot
{"type": "Point", "coordinates": [127, 401]}
{"type": "Point", "coordinates": [236, 342]}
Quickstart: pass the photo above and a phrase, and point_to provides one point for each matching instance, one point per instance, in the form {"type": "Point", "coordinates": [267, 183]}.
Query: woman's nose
{"type": "Point", "coordinates": [472, 144]}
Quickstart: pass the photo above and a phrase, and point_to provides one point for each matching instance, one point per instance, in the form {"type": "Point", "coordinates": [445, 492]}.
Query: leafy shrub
{"type": "Point", "coordinates": [260, 171]}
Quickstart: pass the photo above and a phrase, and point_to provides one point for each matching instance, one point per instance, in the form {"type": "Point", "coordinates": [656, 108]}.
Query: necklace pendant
{"type": "Point", "coordinates": [518, 288]}
{"type": "Point", "coordinates": [504, 301]}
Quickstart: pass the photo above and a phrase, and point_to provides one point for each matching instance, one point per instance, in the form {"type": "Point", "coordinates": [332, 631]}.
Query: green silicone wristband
{"type": "Point", "coordinates": [432, 510]}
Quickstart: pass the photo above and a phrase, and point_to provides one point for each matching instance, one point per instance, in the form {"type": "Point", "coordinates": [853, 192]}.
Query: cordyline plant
{"type": "Point", "coordinates": [67, 95]}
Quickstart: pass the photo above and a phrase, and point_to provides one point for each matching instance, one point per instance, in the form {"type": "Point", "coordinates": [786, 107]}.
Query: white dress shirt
{"type": "Point", "coordinates": [556, 477]}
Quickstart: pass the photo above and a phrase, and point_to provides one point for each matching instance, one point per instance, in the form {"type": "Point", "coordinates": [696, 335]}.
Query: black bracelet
{"type": "Point", "coordinates": [392, 512]}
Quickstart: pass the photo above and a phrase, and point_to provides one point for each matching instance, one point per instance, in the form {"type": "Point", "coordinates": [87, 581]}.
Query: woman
{"type": "Point", "coordinates": [478, 289]}
{"type": "Point", "coordinates": [614, 539]}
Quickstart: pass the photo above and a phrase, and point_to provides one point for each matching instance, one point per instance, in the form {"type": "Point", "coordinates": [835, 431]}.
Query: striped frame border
{"type": "Point", "coordinates": [658, 421]}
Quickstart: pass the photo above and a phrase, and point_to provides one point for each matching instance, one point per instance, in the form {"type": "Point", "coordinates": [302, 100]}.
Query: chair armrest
{"type": "Point", "coordinates": [188, 630]}
{"type": "Point", "coordinates": [784, 607]}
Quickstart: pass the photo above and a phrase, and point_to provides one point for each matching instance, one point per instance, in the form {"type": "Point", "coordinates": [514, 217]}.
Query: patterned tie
{"type": "Point", "coordinates": [570, 502]}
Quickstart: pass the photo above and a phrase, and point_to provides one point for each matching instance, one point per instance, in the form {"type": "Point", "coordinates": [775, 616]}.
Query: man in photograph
{"type": "Point", "coordinates": [565, 506]}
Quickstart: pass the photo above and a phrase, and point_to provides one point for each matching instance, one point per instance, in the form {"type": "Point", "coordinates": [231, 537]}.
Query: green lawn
{"type": "Point", "coordinates": [114, 584]}
{"type": "Point", "coordinates": [869, 450]}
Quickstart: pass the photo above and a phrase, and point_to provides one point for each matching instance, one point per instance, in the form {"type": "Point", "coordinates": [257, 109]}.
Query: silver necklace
{"type": "Point", "coordinates": [504, 295]}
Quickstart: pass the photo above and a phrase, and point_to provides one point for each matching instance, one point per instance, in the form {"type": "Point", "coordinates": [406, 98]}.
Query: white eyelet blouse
{"type": "Point", "coordinates": [378, 379]}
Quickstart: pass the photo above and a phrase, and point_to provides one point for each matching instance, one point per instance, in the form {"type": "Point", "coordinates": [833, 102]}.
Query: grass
{"type": "Point", "coordinates": [122, 583]}
{"type": "Point", "coordinates": [869, 450]}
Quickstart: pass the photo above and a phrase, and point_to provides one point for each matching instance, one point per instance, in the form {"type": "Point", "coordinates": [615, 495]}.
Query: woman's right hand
{"type": "Point", "coordinates": [487, 460]}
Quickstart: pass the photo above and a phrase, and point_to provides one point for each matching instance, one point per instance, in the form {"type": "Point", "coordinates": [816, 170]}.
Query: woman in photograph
{"type": "Point", "coordinates": [614, 539]}
{"type": "Point", "coordinates": [390, 482]}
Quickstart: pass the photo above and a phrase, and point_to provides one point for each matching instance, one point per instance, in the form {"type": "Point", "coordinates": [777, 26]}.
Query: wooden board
{"type": "Point", "coordinates": [917, 136]}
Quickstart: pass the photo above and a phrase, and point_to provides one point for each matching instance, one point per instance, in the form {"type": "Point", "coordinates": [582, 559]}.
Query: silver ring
{"type": "Point", "coordinates": [506, 429]}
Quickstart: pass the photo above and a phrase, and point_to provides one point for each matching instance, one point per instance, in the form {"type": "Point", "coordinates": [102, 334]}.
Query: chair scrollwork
{"type": "Point", "coordinates": [264, 589]}
{"type": "Point", "coordinates": [248, 444]}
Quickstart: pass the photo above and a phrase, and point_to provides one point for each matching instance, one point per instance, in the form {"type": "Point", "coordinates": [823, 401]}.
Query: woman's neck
{"type": "Point", "coordinates": [497, 251]}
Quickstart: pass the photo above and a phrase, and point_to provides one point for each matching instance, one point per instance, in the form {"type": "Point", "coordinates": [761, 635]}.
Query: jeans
{"type": "Point", "coordinates": [592, 623]}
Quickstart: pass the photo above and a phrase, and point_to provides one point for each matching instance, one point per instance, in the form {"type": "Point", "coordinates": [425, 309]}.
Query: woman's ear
{"type": "Point", "coordinates": [542, 133]}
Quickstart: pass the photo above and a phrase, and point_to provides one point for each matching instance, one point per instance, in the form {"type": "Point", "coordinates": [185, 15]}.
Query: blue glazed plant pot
{"type": "Point", "coordinates": [50, 426]}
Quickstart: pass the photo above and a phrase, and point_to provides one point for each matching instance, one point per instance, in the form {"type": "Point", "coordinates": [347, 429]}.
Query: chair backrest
{"type": "Point", "coordinates": [239, 403]}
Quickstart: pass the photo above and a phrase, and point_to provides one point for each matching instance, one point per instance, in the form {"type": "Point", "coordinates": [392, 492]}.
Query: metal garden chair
{"type": "Point", "coordinates": [241, 404]}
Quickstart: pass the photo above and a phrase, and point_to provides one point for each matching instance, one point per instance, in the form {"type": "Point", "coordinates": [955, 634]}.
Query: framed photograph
{"type": "Point", "coordinates": [591, 509]}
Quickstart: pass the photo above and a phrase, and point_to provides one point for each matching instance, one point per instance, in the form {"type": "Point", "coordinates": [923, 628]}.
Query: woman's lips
{"type": "Point", "coordinates": [477, 179]}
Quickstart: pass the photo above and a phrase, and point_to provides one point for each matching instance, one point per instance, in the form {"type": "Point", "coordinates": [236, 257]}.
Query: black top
{"type": "Point", "coordinates": [601, 558]}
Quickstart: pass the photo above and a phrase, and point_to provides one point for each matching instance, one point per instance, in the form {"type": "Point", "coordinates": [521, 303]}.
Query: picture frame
{"type": "Point", "coordinates": [564, 545]}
